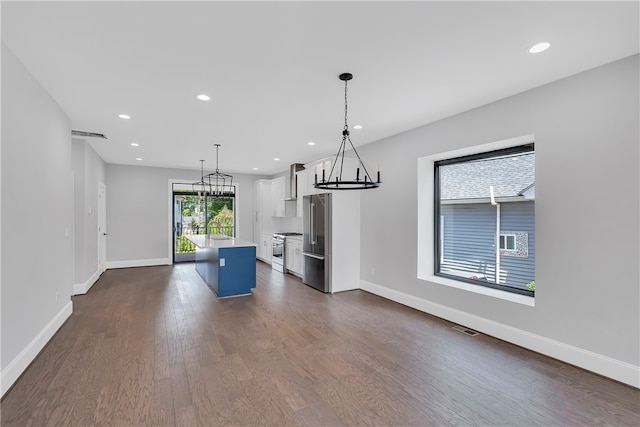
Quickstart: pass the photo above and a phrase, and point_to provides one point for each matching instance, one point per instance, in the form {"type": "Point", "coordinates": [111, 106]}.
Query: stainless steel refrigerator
{"type": "Point", "coordinates": [316, 241]}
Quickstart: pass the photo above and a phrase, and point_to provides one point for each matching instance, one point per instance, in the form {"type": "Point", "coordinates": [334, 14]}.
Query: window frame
{"type": "Point", "coordinates": [438, 242]}
{"type": "Point", "coordinates": [506, 241]}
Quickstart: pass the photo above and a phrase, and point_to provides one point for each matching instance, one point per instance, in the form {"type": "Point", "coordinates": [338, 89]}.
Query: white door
{"type": "Point", "coordinates": [102, 228]}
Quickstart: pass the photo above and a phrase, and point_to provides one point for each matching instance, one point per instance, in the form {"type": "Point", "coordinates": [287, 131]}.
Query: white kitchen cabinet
{"type": "Point", "coordinates": [301, 177]}
{"type": "Point", "coordinates": [258, 208]}
{"type": "Point", "coordinates": [262, 218]}
{"type": "Point", "coordinates": [311, 172]}
{"type": "Point", "coordinates": [313, 169]}
{"type": "Point", "coordinates": [293, 256]}
{"type": "Point", "coordinates": [279, 206]}
{"type": "Point", "coordinates": [277, 196]}
{"type": "Point", "coordinates": [265, 247]}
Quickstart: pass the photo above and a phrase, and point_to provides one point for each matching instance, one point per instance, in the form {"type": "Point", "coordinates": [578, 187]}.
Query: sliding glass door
{"type": "Point", "coordinates": [194, 214]}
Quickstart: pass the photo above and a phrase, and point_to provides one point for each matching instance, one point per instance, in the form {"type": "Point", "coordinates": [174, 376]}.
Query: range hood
{"type": "Point", "coordinates": [291, 190]}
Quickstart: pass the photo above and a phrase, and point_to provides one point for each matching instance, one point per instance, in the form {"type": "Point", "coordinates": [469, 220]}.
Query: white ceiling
{"type": "Point", "coordinates": [271, 69]}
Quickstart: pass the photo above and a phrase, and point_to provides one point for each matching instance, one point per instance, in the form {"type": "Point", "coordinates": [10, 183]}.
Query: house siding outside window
{"type": "Point", "coordinates": [468, 219]}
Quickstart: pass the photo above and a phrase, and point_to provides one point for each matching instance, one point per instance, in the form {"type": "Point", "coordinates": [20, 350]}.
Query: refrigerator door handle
{"type": "Point", "coordinates": [310, 255]}
{"type": "Point", "coordinates": [312, 224]}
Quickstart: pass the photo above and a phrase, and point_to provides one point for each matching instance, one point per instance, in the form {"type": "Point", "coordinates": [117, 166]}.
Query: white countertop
{"type": "Point", "coordinates": [217, 241]}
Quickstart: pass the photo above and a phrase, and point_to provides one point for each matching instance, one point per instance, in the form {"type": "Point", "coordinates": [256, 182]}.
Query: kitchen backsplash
{"type": "Point", "coordinates": [287, 224]}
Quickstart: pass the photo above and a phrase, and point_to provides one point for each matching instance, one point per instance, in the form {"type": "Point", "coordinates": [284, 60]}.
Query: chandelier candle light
{"type": "Point", "coordinates": [335, 182]}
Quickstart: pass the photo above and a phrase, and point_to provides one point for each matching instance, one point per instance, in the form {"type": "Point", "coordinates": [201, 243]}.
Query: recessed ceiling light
{"type": "Point", "coordinates": [203, 97]}
{"type": "Point", "coordinates": [255, 169]}
{"type": "Point", "coordinates": [135, 144]}
{"type": "Point", "coordinates": [539, 47]}
{"type": "Point", "coordinates": [276, 159]}
{"type": "Point", "coordinates": [311, 143]}
{"type": "Point", "coordinates": [124, 116]}
{"type": "Point", "coordinates": [139, 159]}
{"type": "Point", "coordinates": [357, 127]}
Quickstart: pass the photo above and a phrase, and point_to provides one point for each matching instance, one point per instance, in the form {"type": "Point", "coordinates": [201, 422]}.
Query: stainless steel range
{"type": "Point", "coordinates": [278, 242]}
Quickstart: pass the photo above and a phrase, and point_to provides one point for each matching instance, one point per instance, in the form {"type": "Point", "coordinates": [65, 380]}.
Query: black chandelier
{"type": "Point", "coordinates": [214, 184]}
{"type": "Point", "coordinates": [218, 180]}
{"type": "Point", "coordinates": [336, 182]}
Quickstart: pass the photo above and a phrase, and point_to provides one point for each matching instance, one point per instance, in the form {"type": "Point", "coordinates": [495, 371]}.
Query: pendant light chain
{"type": "Point", "coordinates": [201, 186]}
{"type": "Point", "coordinates": [346, 126]}
{"type": "Point", "coordinates": [217, 147]}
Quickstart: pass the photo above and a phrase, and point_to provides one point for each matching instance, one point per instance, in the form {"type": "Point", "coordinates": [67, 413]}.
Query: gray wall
{"type": "Point", "coordinates": [89, 171]}
{"type": "Point", "coordinates": [587, 228]}
{"type": "Point", "coordinates": [37, 215]}
{"type": "Point", "coordinates": [138, 210]}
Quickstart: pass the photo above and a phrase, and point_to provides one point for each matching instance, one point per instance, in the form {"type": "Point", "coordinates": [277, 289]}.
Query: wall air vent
{"type": "Point", "coordinates": [465, 330]}
{"type": "Point", "coordinates": [87, 134]}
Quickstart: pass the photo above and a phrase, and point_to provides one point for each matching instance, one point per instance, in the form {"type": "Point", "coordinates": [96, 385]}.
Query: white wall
{"type": "Point", "coordinates": [89, 171]}
{"type": "Point", "coordinates": [37, 218]}
{"type": "Point", "coordinates": [587, 219]}
{"type": "Point", "coordinates": [138, 212]}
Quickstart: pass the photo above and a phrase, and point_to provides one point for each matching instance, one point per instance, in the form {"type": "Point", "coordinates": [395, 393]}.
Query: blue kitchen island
{"type": "Point", "coordinates": [226, 264]}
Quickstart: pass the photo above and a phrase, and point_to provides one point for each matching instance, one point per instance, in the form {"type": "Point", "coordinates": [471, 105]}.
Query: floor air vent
{"type": "Point", "coordinates": [465, 330]}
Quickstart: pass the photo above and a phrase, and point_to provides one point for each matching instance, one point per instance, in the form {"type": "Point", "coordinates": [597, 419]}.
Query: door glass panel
{"type": "Point", "coordinates": [194, 214]}
{"type": "Point", "coordinates": [220, 215]}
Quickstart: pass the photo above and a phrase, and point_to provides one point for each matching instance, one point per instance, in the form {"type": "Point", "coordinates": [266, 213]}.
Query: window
{"type": "Point", "coordinates": [508, 242]}
{"type": "Point", "coordinates": [479, 200]}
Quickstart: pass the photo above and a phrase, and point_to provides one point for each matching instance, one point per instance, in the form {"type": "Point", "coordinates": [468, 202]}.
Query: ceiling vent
{"type": "Point", "coordinates": [87, 134]}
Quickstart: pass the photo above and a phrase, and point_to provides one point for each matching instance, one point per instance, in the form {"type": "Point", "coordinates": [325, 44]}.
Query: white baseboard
{"type": "Point", "coordinates": [603, 365]}
{"type": "Point", "coordinates": [17, 366]}
{"type": "Point", "coordinates": [138, 263]}
{"type": "Point", "coordinates": [83, 288]}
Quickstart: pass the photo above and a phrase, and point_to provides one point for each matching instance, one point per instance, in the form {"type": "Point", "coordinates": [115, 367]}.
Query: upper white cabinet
{"type": "Point", "coordinates": [307, 187]}
{"type": "Point", "coordinates": [301, 177]}
{"type": "Point", "coordinates": [277, 196]}
{"type": "Point", "coordinates": [308, 176]}
{"type": "Point", "coordinates": [279, 206]}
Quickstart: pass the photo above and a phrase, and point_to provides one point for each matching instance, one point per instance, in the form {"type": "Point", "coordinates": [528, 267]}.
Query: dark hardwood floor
{"type": "Point", "coordinates": [154, 346]}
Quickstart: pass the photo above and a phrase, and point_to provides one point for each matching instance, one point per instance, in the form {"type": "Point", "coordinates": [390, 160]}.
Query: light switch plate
{"type": "Point", "coordinates": [221, 262]}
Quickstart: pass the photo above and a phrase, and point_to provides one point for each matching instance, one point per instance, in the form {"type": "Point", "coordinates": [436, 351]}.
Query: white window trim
{"type": "Point", "coordinates": [505, 235]}
{"type": "Point", "coordinates": [425, 186]}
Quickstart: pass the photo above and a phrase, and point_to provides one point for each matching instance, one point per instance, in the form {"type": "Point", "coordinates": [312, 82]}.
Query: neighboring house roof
{"type": "Point", "coordinates": [510, 176]}
{"type": "Point", "coordinates": [529, 193]}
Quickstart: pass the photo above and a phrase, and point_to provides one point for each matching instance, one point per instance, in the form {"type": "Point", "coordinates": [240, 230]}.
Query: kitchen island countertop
{"type": "Point", "coordinates": [217, 241]}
